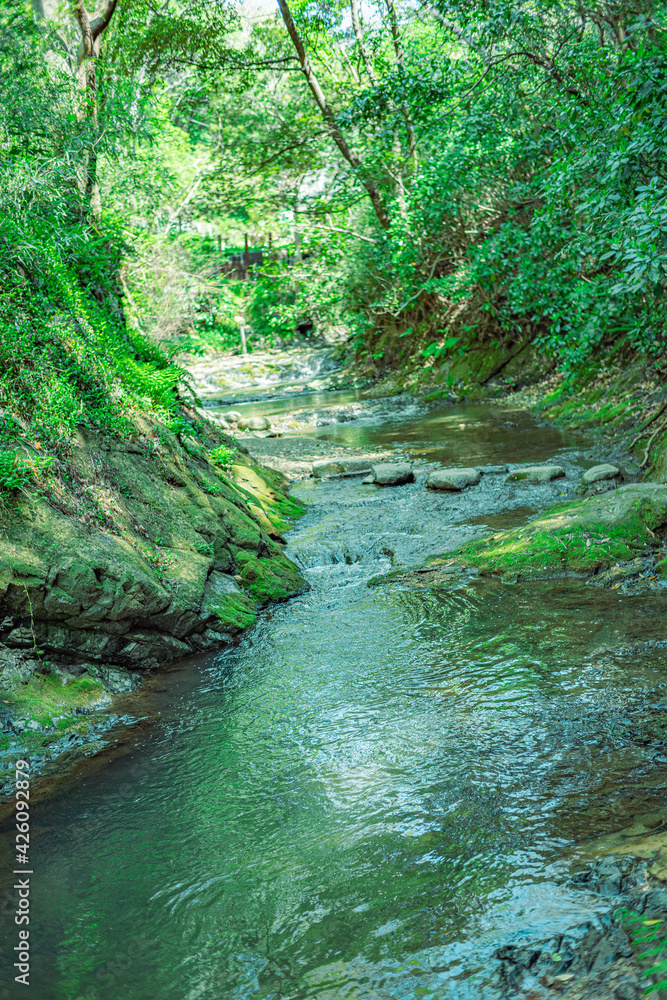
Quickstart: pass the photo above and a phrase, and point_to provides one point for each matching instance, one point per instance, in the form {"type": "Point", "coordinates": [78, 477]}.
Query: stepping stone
{"type": "Point", "coordinates": [356, 466]}
{"type": "Point", "coordinates": [392, 474]}
{"type": "Point", "coordinates": [453, 480]}
{"type": "Point", "coordinates": [325, 467]}
{"type": "Point", "coordinates": [536, 474]}
{"type": "Point", "coordinates": [488, 470]}
{"type": "Point", "coordinates": [598, 473]}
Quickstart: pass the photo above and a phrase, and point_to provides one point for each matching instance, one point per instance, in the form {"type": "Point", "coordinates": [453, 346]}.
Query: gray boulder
{"type": "Point", "coordinates": [326, 467]}
{"type": "Point", "coordinates": [598, 473]}
{"type": "Point", "coordinates": [356, 466]}
{"type": "Point", "coordinates": [392, 474]}
{"type": "Point", "coordinates": [453, 480]}
{"type": "Point", "coordinates": [232, 415]}
{"type": "Point", "coordinates": [536, 474]}
{"type": "Point", "coordinates": [340, 466]}
{"type": "Point", "coordinates": [218, 587]}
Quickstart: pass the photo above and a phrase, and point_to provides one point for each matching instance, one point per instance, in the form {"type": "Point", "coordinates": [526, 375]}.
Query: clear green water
{"type": "Point", "coordinates": [367, 796]}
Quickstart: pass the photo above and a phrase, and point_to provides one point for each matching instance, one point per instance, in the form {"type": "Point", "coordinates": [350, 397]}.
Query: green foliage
{"type": "Point", "coordinates": [518, 151]}
{"type": "Point", "coordinates": [535, 206]}
{"type": "Point", "coordinates": [223, 456]}
{"type": "Point", "coordinates": [67, 357]}
{"type": "Point", "coordinates": [649, 941]}
{"type": "Point", "coordinates": [15, 473]}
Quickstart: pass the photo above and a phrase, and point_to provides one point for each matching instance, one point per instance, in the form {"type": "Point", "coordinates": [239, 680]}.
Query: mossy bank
{"type": "Point", "coordinates": [612, 536]}
{"type": "Point", "coordinates": [131, 554]}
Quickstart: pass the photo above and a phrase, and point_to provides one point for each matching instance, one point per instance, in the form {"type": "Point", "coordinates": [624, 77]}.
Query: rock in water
{"type": "Point", "coordinates": [232, 415]}
{"type": "Point", "coordinates": [598, 473]}
{"type": "Point", "coordinates": [454, 480]}
{"type": "Point", "coordinates": [488, 470]}
{"type": "Point", "coordinates": [326, 467]}
{"type": "Point", "coordinates": [356, 465]}
{"type": "Point", "coordinates": [392, 474]}
{"type": "Point", "coordinates": [254, 424]}
{"type": "Point", "coordinates": [340, 466]}
{"type": "Point", "coordinates": [536, 474]}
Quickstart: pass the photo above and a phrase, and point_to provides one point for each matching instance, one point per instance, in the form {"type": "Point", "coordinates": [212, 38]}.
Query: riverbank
{"type": "Point", "coordinates": [136, 552]}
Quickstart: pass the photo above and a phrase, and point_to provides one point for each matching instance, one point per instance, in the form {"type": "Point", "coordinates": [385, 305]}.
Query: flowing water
{"type": "Point", "coordinates": [378, 786]}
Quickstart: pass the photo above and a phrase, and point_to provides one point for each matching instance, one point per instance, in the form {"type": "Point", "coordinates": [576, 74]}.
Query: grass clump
{"type": "Point", "coordinates": [67, 358]}
{"type": "Point", "coordinates": [44, 697]}
{"type": "Point", "coordinates": [18, 473]}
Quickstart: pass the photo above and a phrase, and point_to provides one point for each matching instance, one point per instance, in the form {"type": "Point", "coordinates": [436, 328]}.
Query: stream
{"type": "Point", "coordinates": [379, 786]}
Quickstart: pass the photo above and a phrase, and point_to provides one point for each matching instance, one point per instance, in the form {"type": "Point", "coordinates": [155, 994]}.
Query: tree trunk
{"type": "Point", "coordinates": [359, 35]}
{"type": "Point", "coordinates": [369, 184]}
{"type": "Point", "coordinates": [89, 50]}
{"type": "Point", "coordinates": [400, 62]}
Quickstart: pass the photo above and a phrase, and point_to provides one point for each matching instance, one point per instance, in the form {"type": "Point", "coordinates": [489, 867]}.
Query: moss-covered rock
{"type": "Point", "coordinates": [229, 607]}
{"type": "Point", "coordinates": [268, 578]}
{"type": "Point", "coordinates": [579, 537]}
{"type": "Point", "coordinates": [128, 560]}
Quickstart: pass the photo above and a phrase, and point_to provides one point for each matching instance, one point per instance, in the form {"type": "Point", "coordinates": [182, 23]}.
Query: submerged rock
{"type": "Point", "coordinates": [598, 473]}
{"type": "Point", "coordinates": [392, 474]}
{"type": "Point", "coordinates": [536, 474]}
{"type": "Point", "coordinates": [453, 480]}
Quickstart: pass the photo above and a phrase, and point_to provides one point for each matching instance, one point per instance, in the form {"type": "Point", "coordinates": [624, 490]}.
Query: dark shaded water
{"type": "Point", "coordinates": [370, 793]}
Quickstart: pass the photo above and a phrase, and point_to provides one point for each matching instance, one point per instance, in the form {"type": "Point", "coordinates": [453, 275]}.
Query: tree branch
{"type": "Point", "coordinates": [369, 184]}
{"type": "Point", "coordinates": [349, 232]}
{"type": "Point", "coordinates": [400, 63]}
{"type": "Point", "coordinates": [286, 149]}
{"type": "Point", "coordinates": [101, 23]}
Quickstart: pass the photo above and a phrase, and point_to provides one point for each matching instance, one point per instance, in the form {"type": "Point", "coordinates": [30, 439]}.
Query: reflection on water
{"type": "Point", "coordinates": [462, 434]}
{"type": "Point", "coordinates": [364, 798]}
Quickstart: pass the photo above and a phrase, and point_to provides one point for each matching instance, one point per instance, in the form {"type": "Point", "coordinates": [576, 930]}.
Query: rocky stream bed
{"type": "Point", "coordinates": [438, 771]}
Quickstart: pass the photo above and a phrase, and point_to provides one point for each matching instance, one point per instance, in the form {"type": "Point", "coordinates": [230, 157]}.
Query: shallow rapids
{"type": "Point", "coordinates": [377, 787]}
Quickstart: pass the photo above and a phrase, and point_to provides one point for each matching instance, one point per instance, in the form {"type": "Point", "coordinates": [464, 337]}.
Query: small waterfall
{"type": "Point", "coordinates": [317, 555]}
